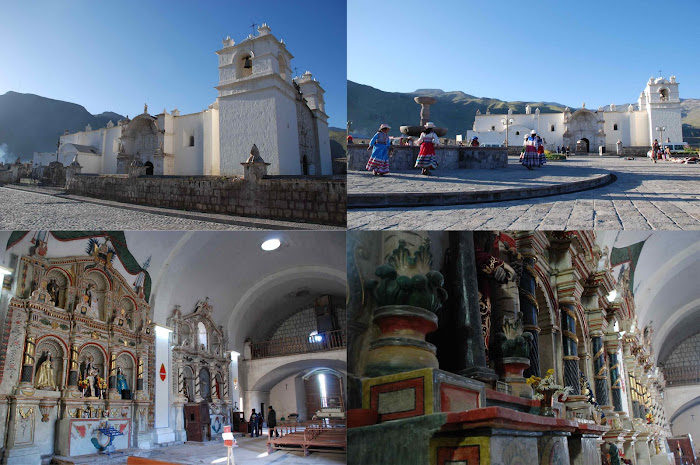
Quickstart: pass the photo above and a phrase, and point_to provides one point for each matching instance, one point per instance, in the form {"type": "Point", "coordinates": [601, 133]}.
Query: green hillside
{"type": "Point", "coordinates": [338, 142]}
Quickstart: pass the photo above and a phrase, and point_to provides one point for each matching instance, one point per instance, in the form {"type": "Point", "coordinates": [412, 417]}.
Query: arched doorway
{"type": "Point", "coordinates": [149, 168]}
{"type": "Point", "coordinates": [583, 145]}
{"type": "Point", "coordinates": [305, 166]}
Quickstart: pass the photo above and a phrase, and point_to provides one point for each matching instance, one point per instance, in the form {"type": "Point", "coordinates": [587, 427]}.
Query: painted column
{"type": "Point", "coordinates": [528, 303]}
{"type": "Point", "coordinates": [470, 354]}
{"type": "Point", "coordinates": [139, 375]}
{"type": "Point", "coordinates": [599, 368]}
{"type": "Point", "coordinates": [73, 373]}
{"type": "Point", "coordinates": [615, 379]}
{"type": "Point", "coordinates": [27, 376]}
{"type": "Point", "coordinates": [570, 345]}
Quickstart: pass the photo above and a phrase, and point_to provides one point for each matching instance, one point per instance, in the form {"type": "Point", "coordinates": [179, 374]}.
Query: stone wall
{"type": "Point", "coordinates": [448, 157]}
{"type": "Point", "coordinates": [292, 198]}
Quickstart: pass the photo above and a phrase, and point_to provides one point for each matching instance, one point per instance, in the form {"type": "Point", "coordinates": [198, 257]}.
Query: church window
{"type": "Point", "coordinates": [551, 127]}
{"type": "Point", "coordinates": [663, 94]}
{"type": "Point", "coordinates": [615, 127]}
{"type": "Point", "coordinates": [202, 333]}
{"type": "Point", "coordinates": [244, 65]}
{"type": "Point", "coordinates": [191, 141]}
{"type": "Point", "coordinates": [493, 128]}
{"type": "Point", "coordinates": [517, 133]}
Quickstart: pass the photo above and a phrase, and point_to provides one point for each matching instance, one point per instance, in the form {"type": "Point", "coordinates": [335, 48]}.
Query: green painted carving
{"type": "Point", "coordinates": [422, 290]}
{"type": "Point", "coordinates": [512, 341]}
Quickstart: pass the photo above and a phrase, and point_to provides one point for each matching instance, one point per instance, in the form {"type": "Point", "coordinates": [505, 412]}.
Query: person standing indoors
{"type": "Point", "coordinates": [272, 422]}
{"type": "Point", "coordinates": [253, 423]}
{"type": "Point", "coordinates": [426, 157]}
{"type": "Point", "coordinates": [380, 144]}
{"type": "Point", "coordinates": [530, 158]}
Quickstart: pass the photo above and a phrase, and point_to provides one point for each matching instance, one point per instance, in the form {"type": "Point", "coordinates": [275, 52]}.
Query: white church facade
{"type": "Point", "coordinates": [657, 115]}
{"type": "Point", "coordinates": [259, 102]}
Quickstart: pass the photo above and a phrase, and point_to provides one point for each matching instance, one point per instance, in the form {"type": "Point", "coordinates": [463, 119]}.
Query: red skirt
{"type": "Point", "coordinates": [427, 148]}
{"type": "Point", "coordinates": [540, 149]}
{"type": "Point", "coordinates": [426, 156]}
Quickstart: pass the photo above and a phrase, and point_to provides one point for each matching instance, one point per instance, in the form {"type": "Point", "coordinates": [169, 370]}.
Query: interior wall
{"type": "Point", "coordinates": [688, 422]}
{"type": "Point", "coordinates": [283, 397]}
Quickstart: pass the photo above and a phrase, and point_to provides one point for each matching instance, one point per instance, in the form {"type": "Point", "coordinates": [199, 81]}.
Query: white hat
{"type": "Point", "coordinates": [429, 125]}
{"type": "Point", "coordinates": [533, 132]}
{"type": "Point", "coordinates": [384, 126]}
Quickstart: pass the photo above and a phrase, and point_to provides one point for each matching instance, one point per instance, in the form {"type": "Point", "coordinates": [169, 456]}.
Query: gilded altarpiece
{"type": "Point", "coordinates": [72, 322]}
{"type": "Point", "coordinates": [202, 365]}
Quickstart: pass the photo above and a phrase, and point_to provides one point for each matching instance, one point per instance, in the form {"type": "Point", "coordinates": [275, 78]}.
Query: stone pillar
{"type": "Point", "coordinates": [464, 305]}
{"type": "Point", "coordinates": [254, 168]}
{"type": "Point", "coordinates": [528, 303]}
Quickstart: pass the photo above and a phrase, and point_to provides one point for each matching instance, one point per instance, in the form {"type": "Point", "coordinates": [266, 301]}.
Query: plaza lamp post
{"type": "Point", "coordinates": [507, 122]}
{"type": "Point", "coordinates": [537, 112]}
{"type": "Point", "coordinates": [661, 130]}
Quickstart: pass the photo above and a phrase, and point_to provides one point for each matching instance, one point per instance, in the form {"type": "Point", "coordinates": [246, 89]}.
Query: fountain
{"type": "Point", "coordinates": [415, 131]}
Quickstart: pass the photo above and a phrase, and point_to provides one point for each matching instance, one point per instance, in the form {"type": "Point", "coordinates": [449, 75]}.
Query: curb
{"type": "Point", "coordinates": [436, 199]}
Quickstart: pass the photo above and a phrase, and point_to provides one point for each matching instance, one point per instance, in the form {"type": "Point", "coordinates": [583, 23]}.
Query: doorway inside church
{"type": "Point", "coordinates": [149, 168]}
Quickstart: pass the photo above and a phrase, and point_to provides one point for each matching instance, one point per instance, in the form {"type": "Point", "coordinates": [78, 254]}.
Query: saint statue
{"type": "Point", "coordinates": [121, 381]}
{"type": "Point", "coordinates": [92, 302]}
{"type": "Point", "coordinates": [52, 289]}
{"type": "Point", "coordinates": [44, 375]}
{"type": "Point", "coordinates": [92, 383]}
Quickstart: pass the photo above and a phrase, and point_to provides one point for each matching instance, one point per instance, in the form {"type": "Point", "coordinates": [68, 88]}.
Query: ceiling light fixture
{"type": "Point", "coordinates": [270, 244]}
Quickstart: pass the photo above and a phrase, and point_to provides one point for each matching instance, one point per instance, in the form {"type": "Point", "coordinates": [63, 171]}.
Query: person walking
{"type": "Point", "coordinates": [530, 158]}
{"type": "Point", "coordinates": [655, 148]}
{"type": "Point", "coordinates": [272, 422]}
{"type": "Point", "coordinates": [261, 419]}
{"type": "Point", "coordinates": [540, 151]}
{"type": "Point", "coordinates": [426, 157]}
{"type": "Point", "coordinates": [380, 144]}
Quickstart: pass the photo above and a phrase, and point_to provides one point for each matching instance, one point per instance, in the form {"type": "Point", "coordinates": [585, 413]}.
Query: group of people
{"type": "Point", "coordinates": [256, 422]}
{"type": "Point", "coordinates": [533, 155]}
{"type": "Point", "coordinates": [657, 153]}
{"type": "Point", "coordinates": [380, 145]}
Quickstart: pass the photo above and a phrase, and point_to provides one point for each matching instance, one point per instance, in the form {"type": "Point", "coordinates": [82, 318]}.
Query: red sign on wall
{"type": "Point", "coordinates": [162, 372]}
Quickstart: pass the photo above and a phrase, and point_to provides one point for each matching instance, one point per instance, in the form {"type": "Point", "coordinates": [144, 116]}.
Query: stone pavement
{"type": "Point", "coordinates": [45, 208]}
{"type": "Point", "coordinates": [645, 196]}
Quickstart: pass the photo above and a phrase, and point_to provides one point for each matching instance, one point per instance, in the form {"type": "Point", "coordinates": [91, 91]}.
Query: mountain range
{"type": "Point", "coordinates": [30, 123]}
{"type": "Point", "coordinates": [368, 107]}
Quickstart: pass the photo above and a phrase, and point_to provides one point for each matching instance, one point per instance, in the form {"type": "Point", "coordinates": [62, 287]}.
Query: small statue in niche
{"type": "Point", "coordinates": [53, 290]}
{"type": "Point", "coordinates": [45, 375]}
{"type": "Point", "coordinates": [121, 381]}
{"type": "Point", "coordinates": [91, 300]}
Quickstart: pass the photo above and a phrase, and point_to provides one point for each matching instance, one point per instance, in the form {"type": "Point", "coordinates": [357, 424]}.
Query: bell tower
{"type": "Point", "coordinates": [663, 105]}
{"type": "Point", "coordinates": [257, 103]}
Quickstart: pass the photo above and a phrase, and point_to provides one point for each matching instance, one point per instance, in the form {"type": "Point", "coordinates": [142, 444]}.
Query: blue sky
{"type": "Point", "coordinates": [596, 51]}
{"type": "Point", "coordinates": [116, 56]}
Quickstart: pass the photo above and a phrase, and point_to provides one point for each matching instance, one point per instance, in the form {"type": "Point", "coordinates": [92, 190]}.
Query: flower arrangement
{"type": "Point", "coordinates": [83, 383]}
{"type": "Point", "coordinates": [101, 383]}
{"type": "Point", "coordinates": [547, 384]}
{"type": "Point", "coordinates": [650, 418]}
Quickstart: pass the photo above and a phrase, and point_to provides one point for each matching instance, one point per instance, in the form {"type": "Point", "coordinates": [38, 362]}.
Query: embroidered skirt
{"type": "Point", "coordinates": [426, 156]}
{"type": "Point", "coordinates": [530, 157]}
{"type": "Point", "coordinates": [379, 161]}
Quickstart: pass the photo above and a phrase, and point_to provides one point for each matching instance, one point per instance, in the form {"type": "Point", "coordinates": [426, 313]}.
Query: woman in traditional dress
{"type": "Point", "coordinates": [428, 140]}
{"type": "Point", "coordinates": [530, 158]}
{"type": "Point", "coordinates": [540, 150]}
{"type": "Point", "coordinates": [378, 162]}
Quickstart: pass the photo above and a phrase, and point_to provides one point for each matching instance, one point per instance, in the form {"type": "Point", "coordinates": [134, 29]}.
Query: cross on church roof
{"type": "Point", "coordinates": [253, 27]}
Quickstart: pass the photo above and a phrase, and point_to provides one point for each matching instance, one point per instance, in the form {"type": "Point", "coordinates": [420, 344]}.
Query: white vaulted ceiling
{"type": "Point", "coordinates": [666, 283]}
{"type": "Point", "coordinates": [250, 289]}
